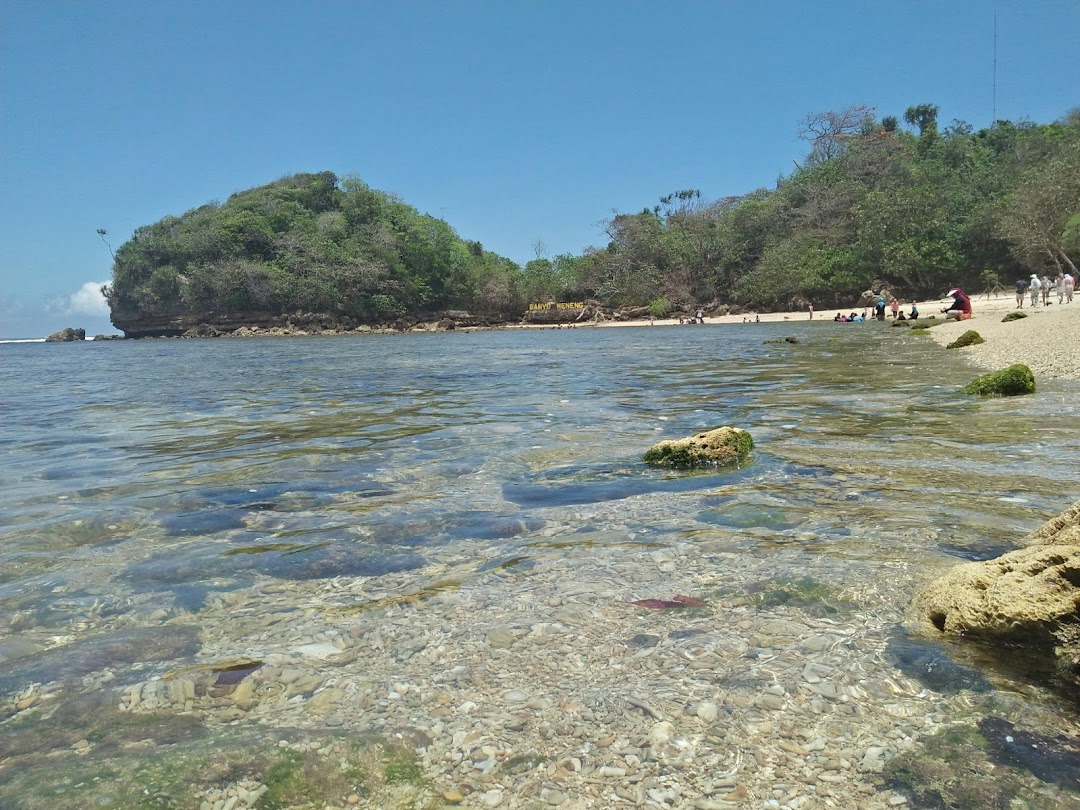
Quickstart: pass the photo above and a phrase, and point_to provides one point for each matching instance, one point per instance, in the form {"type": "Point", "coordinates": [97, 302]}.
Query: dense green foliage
{"type": "Point", "coordinates": [873, 204]}
{"type": "Point", "coordinates": [308, 243]}
{"type": "Point", "coordinates": [918, 211]}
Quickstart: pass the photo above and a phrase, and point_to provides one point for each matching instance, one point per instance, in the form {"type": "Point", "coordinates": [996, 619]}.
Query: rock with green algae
{"type": "Point", "coordinates": [719, 446]}
{"type": "Point", "coordinates": [952, 769]}
{"type": "Point", "coordinates": [1014, 316]}
{"type": "Point", "coordinates": [969, 338]}
{"type": "Point", "coordinates": [1013, 381]}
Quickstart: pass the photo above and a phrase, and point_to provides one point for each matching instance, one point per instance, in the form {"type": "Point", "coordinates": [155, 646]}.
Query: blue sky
{"type": "Point", "coordinates": [516, 121]}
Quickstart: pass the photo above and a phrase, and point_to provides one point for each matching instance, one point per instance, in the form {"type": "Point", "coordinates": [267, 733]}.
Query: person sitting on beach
{"type": "Point", "coordinates": [960, 308]}
{"type": "Point", "coordinates": [838, 317]}
{"type": "Point", "coordinates": [858, 318]}
{"type": "Point", "coordinates": [914, 314]}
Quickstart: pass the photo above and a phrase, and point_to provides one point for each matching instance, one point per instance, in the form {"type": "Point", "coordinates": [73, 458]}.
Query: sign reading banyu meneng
{"type": "Point", "coordinates": [557, 305]}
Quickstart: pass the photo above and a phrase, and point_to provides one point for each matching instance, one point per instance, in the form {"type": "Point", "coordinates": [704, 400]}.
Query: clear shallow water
{"type": "Point", "coordinates": [141, 466]}
{"type": "Point", "coordinates": [144, 476]}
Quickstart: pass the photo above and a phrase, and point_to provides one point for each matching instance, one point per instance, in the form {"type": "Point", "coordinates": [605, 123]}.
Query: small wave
{"type": "Point", "coordinates": [22, 340]}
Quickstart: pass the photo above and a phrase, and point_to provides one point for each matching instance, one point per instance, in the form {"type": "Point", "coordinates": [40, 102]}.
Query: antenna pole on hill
{"type": "Point", "coordinates": [993, 116]}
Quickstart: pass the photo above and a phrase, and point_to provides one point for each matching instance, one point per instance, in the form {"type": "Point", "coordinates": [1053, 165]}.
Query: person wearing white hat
{"type": "Point", "coordinates": [1034, 288]}
{"type": "Point", "coordinates": [960, 308]}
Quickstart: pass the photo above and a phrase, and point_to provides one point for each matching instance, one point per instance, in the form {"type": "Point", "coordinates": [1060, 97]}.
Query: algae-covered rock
{"type": "Point", "coordinates": [1014, 316]}
{"type": "Point", "coordinates": [969, 338]}
{"type": "Point", "coordinates": [788, 339]}
{"type": "Point", "coordinates": [1013, 381]}
{"type": "Point", "coordinates": [1027, 598]}
{"type": "Point", "coordinates": [722, 445]}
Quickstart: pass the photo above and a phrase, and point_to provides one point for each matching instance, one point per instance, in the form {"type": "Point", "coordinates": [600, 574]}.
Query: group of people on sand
{"type": "Point", "coordinates": [879, 312]}
{"type": "Point", "coordinates": [697, 317]}
{"type": "Point", "coordinates": [1038, 288]}
{"type": "Point", "coordinates": [959, 309]}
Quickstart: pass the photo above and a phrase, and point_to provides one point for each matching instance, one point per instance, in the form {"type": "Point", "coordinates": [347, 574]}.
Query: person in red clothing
{"type": "Point", "coordinates": [960, 308]}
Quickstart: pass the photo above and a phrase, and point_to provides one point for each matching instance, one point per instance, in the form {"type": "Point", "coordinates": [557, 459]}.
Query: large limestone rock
{"type": "Point", "coordinates": [720, 446]}
{"type": "Point", "coordinates": [1028, 598]}
{"type": "Point", "coordinates": [67, 335]}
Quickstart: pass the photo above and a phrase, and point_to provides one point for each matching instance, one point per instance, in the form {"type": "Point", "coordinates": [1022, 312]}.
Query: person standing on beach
{"type": "Point", "coordinates": [879, 308]}
{"type": "Point", "coordinates": [1021, 291]}
{"type": "Point", "coordinates": [895, 307]}
{"type": "Point", "coordinates": [1059, 283]}
{"type": "Point", "coordinates": [810, 307]}
{"type": "Point", "coordinates": [1034, 287]}
{"type": "Point", "coordinates": [1046, 286]}
{"type": "Point", "coordinates": [1070, 283]}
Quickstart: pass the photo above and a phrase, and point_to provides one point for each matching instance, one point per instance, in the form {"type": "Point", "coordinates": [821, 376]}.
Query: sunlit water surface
{"type": "Point", "coordinates": [155, 474]}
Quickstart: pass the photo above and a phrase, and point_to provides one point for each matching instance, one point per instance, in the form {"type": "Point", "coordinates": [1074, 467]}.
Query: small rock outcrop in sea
{"type": "Point", "coordinates": [969, 338]}
{"type": "Point", "coordinates": [1028, 598]}
{"type": "Point", "coordinates": [67, 335]}
{"type": "Point", "coordinates": [722, 445]}
{"type": "Point", "coordinates": [1013, 381]}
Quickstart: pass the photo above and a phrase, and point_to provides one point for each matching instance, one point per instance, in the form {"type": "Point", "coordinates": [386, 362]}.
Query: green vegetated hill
{"type": "Point", "coordinates": [308, 243]}
{"type": "Point", "coordinates": [920, 209]}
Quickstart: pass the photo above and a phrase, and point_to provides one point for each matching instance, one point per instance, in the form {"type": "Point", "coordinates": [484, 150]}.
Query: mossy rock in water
{"type": "Point", "coordinates": [969, 338]}
{"type": "Point", "coordinates": [720, 446]}
{"type": "Point", "coordinates": [1014, 316]}
{"type": "Point", "coordinates": [1013, 381]}
{"type": "Point", "coordinates": [788, 339]}
{"type": "Point", "coordinates": [950, 770]}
